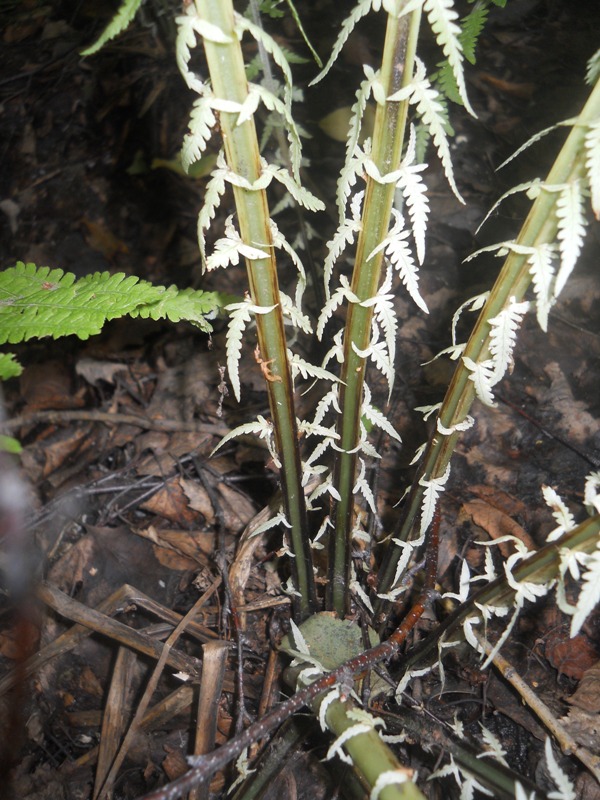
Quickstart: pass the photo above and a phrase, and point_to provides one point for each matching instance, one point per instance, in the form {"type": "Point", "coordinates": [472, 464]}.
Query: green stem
{"type": "Point", "coordinates": [388, 138]}
{"type": "Point", "coordinates": [226, 66]}
{"type": "Point", "coordinates": [513, 281]}
{"type": "Point", "coordinates": [369, 753]}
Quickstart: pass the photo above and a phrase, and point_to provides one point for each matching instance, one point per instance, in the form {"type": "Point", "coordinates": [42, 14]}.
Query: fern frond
{"type": "Point", "coordinates": [535, 138]}
{"type": "Point", "coordinates": [343, 237]}
{"type": "Point", "coordinates": [357, 112]}
{"type": "Point", "coordinates": [300, 194]}
{"type": "Point", "coordinates": [273, 103]}
{"type": "Point", "coordinates": [336, 351]}
{"type": "Point", "coordinates": [503, 335]}
{"type": "Point", "coordinates": [593, 69]}
{"type": "Point", "coordinates": [189, 26]}
{"type": "Point", "coordinates": [191, 305]}
{"type": "Point", "coordinates": [397, 251]}
{"type": "Point", "coordinates": [566, 790]}
{"type": "Point", "coordinates": [229, 249]}
{"type": "Point", "coordinates": [379, 354]}
{"type": "Point", "coordinates": [414, 191]}
{"type": "Point", "coordinates": [120, 21]}
{"type": "Point", "coordinates": [271, 46]}
{"type": "Point", "coordinates": [532, 188]}
{"type": "Point", "coordinates": [292, 312]}
{"type": "Point", "coordinates": [301, 367]}
{"type": "Point", "coordinates": [360, 10]}
{"type": "Point", "coordinates": [472, 25]}
{"type": "Point", "coordinates": [343, 292]}
{"type": "Point", "coordinates": [241, 314]}
{"type": "Point", "coordinates": [563, 517]}
{"type": "Point", "coordinates": [433, 488]}
{"type": "Point", "coordinates": [571, 230]}
{"type": "Point", "coordinates": [376, 417]}
{"type": "Point", "coordinates": [591, 494]}
{"type": "Point", "coordinates": [472, 304]}
{"type": "Point", "coordinates": [442, 18]}
{"type": "Point", "coordinates": [589, 596]}
{"type": "Point", "coordinates": [541, 267]}
{"type": "Point", "coordinates": [362, 486]}
{"type": "Point", "coordinates": [202, 120]}
{"type": "Point", "coordinates": [37, 302]}
{"type": "Point", "coordinates": [385, 316]}
{"type": "Point", "coordinates": [483, 377]}
{"type": "Point", "coordinates": [592, 164]}
{"type": "Point", "coordinates": [215, 189]}
{"type": "Point", "coordinates": [282, 243]}
{"type": "Point", "coordinates": [260, 427]}
{"type": "Point", "coordinates": [421, 93]}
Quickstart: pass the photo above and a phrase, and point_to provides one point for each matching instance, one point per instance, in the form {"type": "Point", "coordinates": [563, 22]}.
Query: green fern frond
{"type": "Point", "coordinates": [38, 301]}
{"type": "Point", "coordinates": [118, 23]}
{"type": "Point", "coordinates": [471, 28]}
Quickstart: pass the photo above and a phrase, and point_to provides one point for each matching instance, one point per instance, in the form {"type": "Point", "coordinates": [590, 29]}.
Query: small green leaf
{"type": "Point", "coordinates": [9, 366]}
{"type": "Point", "coordinates": [10, 445]}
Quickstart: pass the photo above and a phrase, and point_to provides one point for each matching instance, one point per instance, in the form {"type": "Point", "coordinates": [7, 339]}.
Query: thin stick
{"type": "Point", "coordinates": [530, 698]}
{"type": "Point", "coordinates": [147, 696]}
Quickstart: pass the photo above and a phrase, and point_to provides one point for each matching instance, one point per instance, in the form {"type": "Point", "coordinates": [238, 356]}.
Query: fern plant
{"type": "Point", "coordinates": [324, 478]}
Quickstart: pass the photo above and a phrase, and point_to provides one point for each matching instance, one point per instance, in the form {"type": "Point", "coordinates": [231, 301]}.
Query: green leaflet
{"type": "Point", "coordinates": [127, 11]}
{"type": "Point", "coordinates": [9, 366]}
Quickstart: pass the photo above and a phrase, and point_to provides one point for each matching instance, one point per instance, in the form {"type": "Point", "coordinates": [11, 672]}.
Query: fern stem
{"type": "Point", "coordinates": [514, 279]}
{"type": "Point", "coordinates": [226, 66]}
{"type": "Point", "coordinates": [388, 138]}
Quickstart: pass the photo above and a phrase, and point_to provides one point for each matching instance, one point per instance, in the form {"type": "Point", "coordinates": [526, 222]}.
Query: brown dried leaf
{"type": "Point", "coordinates": [103, 240]}
{"type": "Point", "coordinates": [587, 695]}
{"type": "Point", "coordinates": [571, 657]}
{"type": "Point", "coordinates": [196, 546]}
{"type": "Point", "coordinates": [497, 524]}
{"type": "Point", "coordinates": [584, 727]}
{"type": "Point", "coordinates": [172, 503]}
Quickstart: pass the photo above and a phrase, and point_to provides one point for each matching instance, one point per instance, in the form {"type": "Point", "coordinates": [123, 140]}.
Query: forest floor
{"type": "Point", "coordinates": [128, 510]}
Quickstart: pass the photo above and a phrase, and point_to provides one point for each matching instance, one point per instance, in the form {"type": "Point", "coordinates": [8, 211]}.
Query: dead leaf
{"type": "Point", "coordinates": [49, 385]}
{"type": "Point", "coordinates": [103, 240]}
{"type": "Point", "coordinates": [93, 371]}
{"type": "Point", "coordinates": [174, 764]}
{"type": "Point", "coordinates": [186, 549]}
{"type": "Point", "coordinates": [88, 682]}
{"type": "Point", "coordinates": [522, 91]}
{"type": "Point", "coordinates": [172, 503]}
{"type": "Point", "coordinates": [497, 524]}
{"type": "Point", "coordinates": [501, 500]}
{"type": "Point", "coordinates": [587, 694]}
{"type": "Point", "coordinates": [570, 656]}
{"type": "Point", "coordinates": [584, 727]}
{"type": "Point", "coordinates": [236, 509]}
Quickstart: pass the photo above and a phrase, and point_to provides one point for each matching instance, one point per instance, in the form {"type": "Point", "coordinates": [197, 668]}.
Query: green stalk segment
{"type": "Point", "coordinates": [226, 66]}
{"type": "Point", "coordinates": [540, 227]}
{"type": "Point", "coordinates": [388, 139]}
{"type": "Point", "coordinates": [371, 757]}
